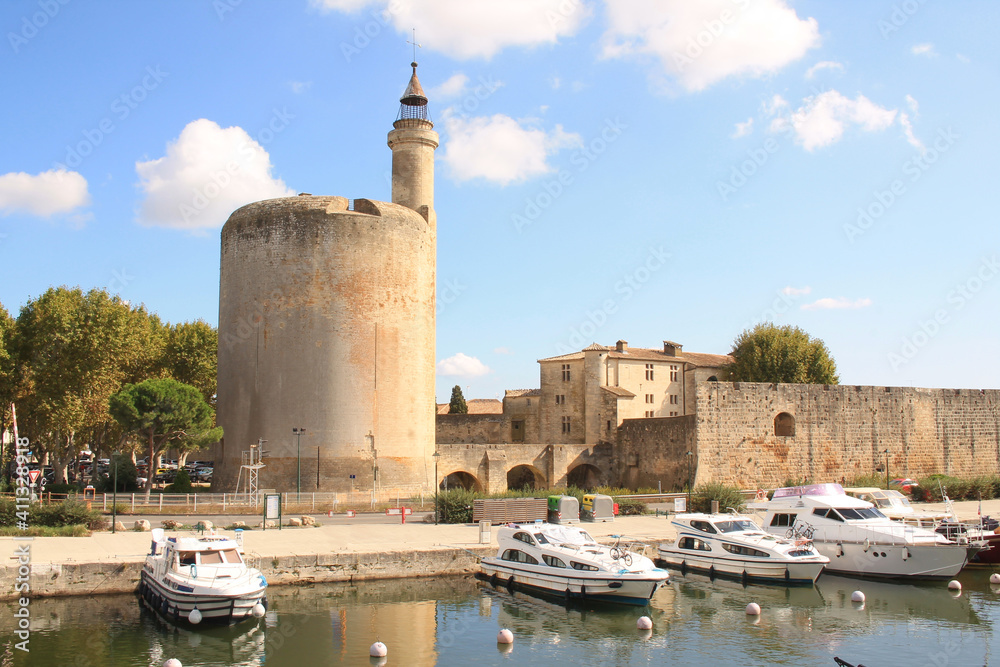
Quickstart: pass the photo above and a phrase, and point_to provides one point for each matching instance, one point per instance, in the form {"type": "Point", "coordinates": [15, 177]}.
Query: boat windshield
{"type": "Point", "coordinates": [736, 525]}
{"type": "Point", "coordinates": [809, 490]}
{"type": "Point", "coordinates": [541, 538]}
{"type": "Point", "coordinates": [860, 513]}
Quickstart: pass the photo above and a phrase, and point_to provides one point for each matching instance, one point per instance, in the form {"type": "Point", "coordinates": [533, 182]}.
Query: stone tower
{"type": "Point", "coordinates": [326, 323]}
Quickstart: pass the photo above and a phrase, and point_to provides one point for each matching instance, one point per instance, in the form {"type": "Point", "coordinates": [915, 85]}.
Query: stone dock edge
{"type": "Point", "coordinates": [88, 579]}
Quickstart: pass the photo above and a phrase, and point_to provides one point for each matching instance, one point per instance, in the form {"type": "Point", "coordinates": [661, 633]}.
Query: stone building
{"type": "Point", "coordinates": [326, 324]}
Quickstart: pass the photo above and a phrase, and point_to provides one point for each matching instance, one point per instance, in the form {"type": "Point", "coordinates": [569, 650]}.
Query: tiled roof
{"type": "Point", "coordinates": [515, 393]}
{"type": "Point", "coordinates": [477, 406]}
{"type": "Point", "coordinates": [644, 354]}
{"type": "Point", "coordinates": [619, 391]}
{"type": "Point", "coordinates": [595, 346]}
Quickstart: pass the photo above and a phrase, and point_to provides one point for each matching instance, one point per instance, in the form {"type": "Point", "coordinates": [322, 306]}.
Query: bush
{"type": "Point", "coordinates": [728, 497]}
{"type": "Point", "coordinates": [871, 480]}
{"type": "Point", "coordinates": [59, 489]}
{"type": "Point", "coordinates": [181, 483]}
{"type": "Point", "coordinates": [455, 505]}
{"type": "Point", "coordinates": [52, 515]}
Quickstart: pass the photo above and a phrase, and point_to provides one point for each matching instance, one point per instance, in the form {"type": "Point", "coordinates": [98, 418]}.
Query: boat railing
{"type": "Point", "coordinates": [895, 535]}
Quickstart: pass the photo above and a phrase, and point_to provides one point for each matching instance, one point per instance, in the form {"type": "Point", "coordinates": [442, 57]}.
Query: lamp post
{"type": "Point", "coordinates": [437, 455]}
{"type": "Point", "coordinates": [114, 495]}
{"type": "Point", "coordinates": [298, 462]}
{"type": "Point", "coordinates": [689, 456]}
{"type": "Point", "coordinates": [886, 452]}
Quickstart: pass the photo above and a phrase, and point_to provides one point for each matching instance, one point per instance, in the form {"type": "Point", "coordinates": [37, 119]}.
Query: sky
{"type": "Point", "coordinates": [644, 170]}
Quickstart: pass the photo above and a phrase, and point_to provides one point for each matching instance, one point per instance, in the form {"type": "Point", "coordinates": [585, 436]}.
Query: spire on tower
{"type": "Point", "coordinates": [413, 103]}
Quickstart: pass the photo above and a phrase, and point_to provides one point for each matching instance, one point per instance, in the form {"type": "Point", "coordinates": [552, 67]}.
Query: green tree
{"type": "Point", "coordinates": [71, 351]}
{"type": "Point", "coordinates": [163, 412]}
{"type": "Point", "coordinates": [769, 353]}
{"type": "Point", "coordinates": [191, 356]}
{"type": "Point", "coordinates": [458, 405]}
{"type": "Point", "coordinates": [7, 387]}
{"type": "Point", "coordinates": [127, 476]}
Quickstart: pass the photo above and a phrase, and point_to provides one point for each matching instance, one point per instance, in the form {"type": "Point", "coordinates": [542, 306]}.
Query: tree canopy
{"type": "Point", "coordinates": [458, 405]}
{"type": "Point", "coordinates": [164, 412]}
{"type": "Point", "coordinates": [771, 353]}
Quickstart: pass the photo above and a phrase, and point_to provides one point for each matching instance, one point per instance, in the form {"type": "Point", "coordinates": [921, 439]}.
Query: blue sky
{"type": "Point", "coordinates": [634, 169]}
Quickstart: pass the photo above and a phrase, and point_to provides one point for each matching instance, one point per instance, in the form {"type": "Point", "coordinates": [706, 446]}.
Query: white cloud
{"type": "Point", "coordinates": [500, 149]}
{"type": "Point", "coordinates": [821, 120]}
{"type": "Point", "coordinates": [453, 87]}
{"type": "Point", "coordinates": [207, 173]}
{"type": "Point", "coordinates": [45, 194]}
{"type": "Point", "coordinates": [796, 291]}
{"type": "Point", "coordinates": [826, 64]}
{"type": "Point", "coordinates": [299, 86]}
{"type": "Point", "coordinates": [926, 49]}
{"type": "Point", "coordinates": [912, 103]}
{"type": "Point", "coordinates": [701, 43]}
{"type": "Point", "coordinates": [962, 58]}
{"type": "Point", "coordinates": [743, 129]}
{"type": "Point", "coordinates": [839, 303]}
{"type": "Point", "coordinates": [911, 138]}
{"type": "Point", "coordinates": [502, 350]}
{"type": "Point", "coordinates": [462, 29]}
{"type": "Point", "coordinates": [462, 365]}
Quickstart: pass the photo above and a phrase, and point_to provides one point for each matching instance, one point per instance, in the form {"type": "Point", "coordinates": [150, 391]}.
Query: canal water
{"type": "Point", "coordinates": [454, 621]}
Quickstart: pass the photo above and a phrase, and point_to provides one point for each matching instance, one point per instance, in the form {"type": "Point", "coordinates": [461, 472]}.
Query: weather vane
{"type": "Point", "coordinates": [415, 45]}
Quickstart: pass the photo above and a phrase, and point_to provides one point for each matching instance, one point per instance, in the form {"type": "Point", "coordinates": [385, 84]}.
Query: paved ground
{"type": "Point", "coordinates": [357, 537]}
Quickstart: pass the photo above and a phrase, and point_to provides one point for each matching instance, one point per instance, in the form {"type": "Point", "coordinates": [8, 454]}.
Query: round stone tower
{"type": "Point", "coordinates": [326, 323]}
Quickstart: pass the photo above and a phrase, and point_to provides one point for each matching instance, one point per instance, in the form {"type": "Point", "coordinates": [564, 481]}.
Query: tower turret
{"type": "Point", "coordinates": [413, 142]}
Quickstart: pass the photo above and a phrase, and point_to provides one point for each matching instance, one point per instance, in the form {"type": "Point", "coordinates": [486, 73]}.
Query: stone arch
{"type": "Point", "coordinates": [461, 479]}
{"type": "Point", "coordinates": [713, 378]}
{"type": "Point", "coordinates": [585, 476]}
{"type": "Point", "coordinates": [524, 475]}
{"type": "Point", "coordinates": [784, 424]}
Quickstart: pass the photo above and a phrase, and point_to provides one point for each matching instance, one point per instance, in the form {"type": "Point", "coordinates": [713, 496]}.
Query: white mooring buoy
{"type": "Point", "coordinates": [954, 585]}
{"type": "Point", "coordinates": [173, 662]}
{"type": "Point", "coordinates": [753, 609]}
{"type": "Point", "coordinates": [644, 623]}
{"type": "Point", "coordinates": [505, 636]}
{"type": "Point", "coordinates": [194, 616]}
{"type": "Point", "coordinates": [258, 610]}
{"type": "Point", "coordinates": [995, 578]}
{"type": "Point", "coordinates": [857, 596]}
{"type": "Point", "coordinates": [378, 650]}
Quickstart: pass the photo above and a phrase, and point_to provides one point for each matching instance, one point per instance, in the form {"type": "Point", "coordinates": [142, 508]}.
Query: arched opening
{"type": "Point", "coordinates": [460, 479]}
{"type": "Point", "coordinates": [525, 477]}
{"type": "Point", "coordinates": [713, 379]}
{"type": "Point", "coordinates": [585, 476]}
{"type": "Point", "coordinates": [784, 424]}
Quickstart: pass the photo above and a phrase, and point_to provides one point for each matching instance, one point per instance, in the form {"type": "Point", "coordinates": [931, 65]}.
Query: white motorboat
{"type": "Point", "coordinates": [858, 539]}
{"type": "Point", "coordinates": [897, 507]}
{"type": "Point", "coordinates": [566, 561]}
{"type": "Point", "coordinates": [734, 546]}
{"type": "Point", "coordinates": [201, 579]}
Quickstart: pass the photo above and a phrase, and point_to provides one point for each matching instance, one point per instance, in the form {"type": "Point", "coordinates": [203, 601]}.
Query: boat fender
{"type": "Point", "coordinates": [761, 496]}
{"type": "Point", "coordinates": [194, 571]}
{"type": "Point", "coordinates": [745, 578]}
{"type": "Point", "coordinates": [711, 572]}
{"type": "Point", "coordinates": [568, 594]}
{"type": "Point", "coordinates": [195, 616]}
{"type": "Point", "coordinates": [787, 574]}
{"type": "Point", "coordinates": [510, 584]}
{"type": "Point", "coordinates": [868, 544]}
{"type": "Point", "coordinates": [906, 553]}
{"type": "Point", "coordinates": [493, 580]}
{"type": "Point", "coordinates": [583, 591]}
{"type": "Point", "coordinates": [840, 549]}
{"type": "Point", "coordinates": [684, 567]}
{"type": "Point", "coordinates": [258, 610]}
{"type": "Point", "coordinates": [164, 607]}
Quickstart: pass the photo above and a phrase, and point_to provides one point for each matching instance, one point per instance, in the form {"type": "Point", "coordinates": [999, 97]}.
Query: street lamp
{"type": "Point", "coordinates": [298, 462]}
{"type": "Point", "coordinates": [114, 495]}
{"type": "Point", "coordinates": [886, 452]}
{"type": "Point", "coordinates": [689, 456]}
{"type": "Point", "coordinates": [437, 455]}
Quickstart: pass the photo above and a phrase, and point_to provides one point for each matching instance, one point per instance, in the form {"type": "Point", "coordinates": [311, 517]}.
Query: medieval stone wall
{"type": "Point", "coordinates": [473, 429]}
{"type": "Point", "coordinates": [843, 431]}
{"type": "Point", "coordinates": [652, 453]}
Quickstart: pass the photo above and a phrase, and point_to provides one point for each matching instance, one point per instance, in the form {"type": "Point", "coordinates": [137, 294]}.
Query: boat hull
{"type": "Point", "coordinates": [633, 589]}
{"type": "Point", "coordinates": [892, 561]}
{"type": "Point", "coordinates": [215, 608]}
{"type": "Point", "coordinates": [774, 572]}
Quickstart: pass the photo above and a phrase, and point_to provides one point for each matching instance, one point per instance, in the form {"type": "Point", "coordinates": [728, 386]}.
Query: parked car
{"type": "Point", "coordinates": [904, 484]}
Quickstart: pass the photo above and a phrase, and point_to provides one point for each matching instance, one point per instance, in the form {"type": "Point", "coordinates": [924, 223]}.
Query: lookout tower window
{"type": "Point", "coordinates": [784, 424]}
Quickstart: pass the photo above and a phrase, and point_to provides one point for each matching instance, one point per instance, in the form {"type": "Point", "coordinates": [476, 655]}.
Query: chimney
{"type": "Point", "coordinates": [671, 349]}
{"type": "Point", "coordinates": [621, 346]}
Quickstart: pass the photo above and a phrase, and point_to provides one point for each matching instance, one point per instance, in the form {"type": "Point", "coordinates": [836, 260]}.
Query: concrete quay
{"type": "Point", "coordinates": [106, 563]}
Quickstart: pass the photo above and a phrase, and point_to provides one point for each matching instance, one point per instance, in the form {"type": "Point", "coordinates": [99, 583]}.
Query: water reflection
{"type": "Point", "coordinates": [455, 622]}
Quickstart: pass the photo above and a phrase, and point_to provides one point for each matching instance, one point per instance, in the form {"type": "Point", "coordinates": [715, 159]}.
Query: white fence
{"type": "Point", "coordinates": [236, 502]}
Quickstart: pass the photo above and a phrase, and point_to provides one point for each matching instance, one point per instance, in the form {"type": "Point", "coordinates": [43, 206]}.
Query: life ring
{"type": "Point", "coordinates": [761, 496]}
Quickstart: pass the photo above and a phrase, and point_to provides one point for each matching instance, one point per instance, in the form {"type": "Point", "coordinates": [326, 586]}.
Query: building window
{"type": "Point", "coordinates": [673, 374]}
{"type": "Point", "coordinates": [673, 414]}
{"type": "Point", "coordinates": [649, 413]}
{"type": "Point", "coordinates": [649, 371]}
{"type": "Point", "coordinates": [649, 398]}
{"type": "Point", "coordinates": [565, 424]}
{"type": "Point", "coordinates": [673, 399]}
{"type": "Point", "coordinates": [609, 425]}
{"type": "Point", "coordinates": [565, 372]}
{"type": "Point", "coordinates": [560, 399]}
